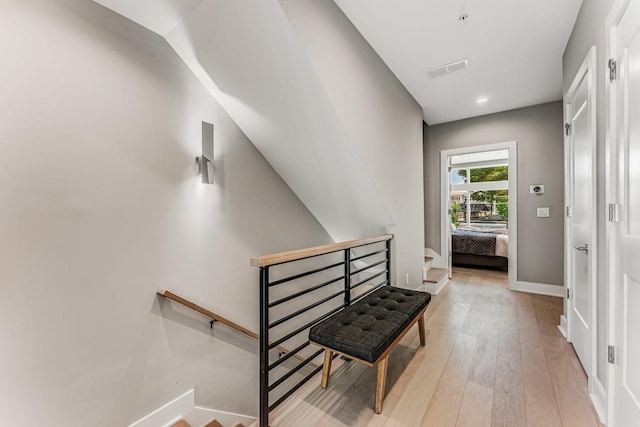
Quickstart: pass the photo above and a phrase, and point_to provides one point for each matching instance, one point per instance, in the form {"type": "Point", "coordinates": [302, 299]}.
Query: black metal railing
{"type": "Point", "coordinates": [311, 285]}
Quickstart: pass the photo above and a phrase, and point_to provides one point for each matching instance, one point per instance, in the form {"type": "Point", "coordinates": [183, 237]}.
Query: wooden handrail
{"type": "Point", "coordinates": [170, 295]}
{"type": "Point", "coordinates": [195, 307]}
{"type": "Point", "coordinates": [279, 258]}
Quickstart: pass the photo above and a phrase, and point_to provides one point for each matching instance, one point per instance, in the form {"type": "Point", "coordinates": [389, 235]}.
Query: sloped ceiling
{"type": "Point", "coordinates": [248, 57]}
{"type": "Point", "coordinates": [514, 49]}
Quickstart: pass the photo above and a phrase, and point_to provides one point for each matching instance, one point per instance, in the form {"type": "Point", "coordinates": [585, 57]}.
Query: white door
{"type": "Point", "coordinates": [580, 145]}
{"type": "Point", "coordinates": [625, 374]}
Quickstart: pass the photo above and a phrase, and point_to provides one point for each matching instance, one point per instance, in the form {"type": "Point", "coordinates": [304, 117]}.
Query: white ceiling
{"type": "Point", "coordinates": [514, 48]}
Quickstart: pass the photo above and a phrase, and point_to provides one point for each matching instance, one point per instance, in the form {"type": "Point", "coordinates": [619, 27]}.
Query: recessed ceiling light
{"type": "Point", "coordinates": [482, 100]}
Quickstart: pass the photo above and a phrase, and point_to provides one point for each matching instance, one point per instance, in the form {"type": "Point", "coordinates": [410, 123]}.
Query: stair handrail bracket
{"type": "Point", "coordinates": [207, 313]}
{"type": "Point", "coordinates": [376, 271]}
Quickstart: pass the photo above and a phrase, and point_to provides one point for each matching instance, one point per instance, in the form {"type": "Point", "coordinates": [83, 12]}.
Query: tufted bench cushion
{"type": "Point", "coordinates": [367, 328]}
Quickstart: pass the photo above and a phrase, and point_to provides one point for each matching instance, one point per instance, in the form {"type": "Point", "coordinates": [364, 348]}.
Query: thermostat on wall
{"type": "Point", "coordinates": [536, 189]}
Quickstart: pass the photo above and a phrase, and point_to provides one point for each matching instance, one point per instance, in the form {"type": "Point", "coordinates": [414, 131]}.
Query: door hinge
{"type": "Point", "coordinates": [568, 293]}
{"type": "Point", "coordinates": [613, 70]}
{"type": "Point", "coordinates": [611, 354]}
{"type": "Point", "coordinates": [614, 212]}
{"type": "Point", "coordinates": [569, 212]}
{"type": "Point", "coordinates": [567, 129]}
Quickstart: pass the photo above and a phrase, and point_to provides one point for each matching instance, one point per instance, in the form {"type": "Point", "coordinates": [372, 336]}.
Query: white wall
{"type": "Point", "coordinates": [382, 120]}
{"type": "Point", "coordinates": [99, 207]}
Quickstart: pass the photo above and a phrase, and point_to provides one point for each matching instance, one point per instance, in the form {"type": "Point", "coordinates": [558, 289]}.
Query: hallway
{"type": "Point", "coordinates": [493, 357]}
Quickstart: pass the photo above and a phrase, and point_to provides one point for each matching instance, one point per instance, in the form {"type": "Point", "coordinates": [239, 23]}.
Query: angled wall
{"type": "Point", "coordinates": [330, 117]}
{"type": "Point", "coordinates": [99, 208]}
{"type": "Point", "coordinates": [382, 120]}
{"type": "Point", "coordinates": [247, 55]}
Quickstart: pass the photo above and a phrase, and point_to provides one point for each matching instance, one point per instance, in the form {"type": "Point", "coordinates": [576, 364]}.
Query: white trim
{"type": "Point", "coordinates": [538, 288]}
{"type": "Point", "coordinates": [475, 165]}
{"type": "Point", "coordinates": [611, 196]}
{"type": "Point", "coordinates": [587, 72]}
{"type": "Point", "coordinates": [599, 400]}
{"type": "Point", "coordinates": [170, 412]}
{"type": "Point", "coordinates": [562, 327]}
{"type": "Point", "coordinates": [445, 228]}
{"type": "Point", "coordinates": [438, 261]}
{"type": "Point", "coordinates": [480, 186]}
{"type": "Point", "coordinates": [445, 192]}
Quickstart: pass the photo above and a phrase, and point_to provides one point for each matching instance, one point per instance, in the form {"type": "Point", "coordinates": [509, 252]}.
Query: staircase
{"type": "Point", "coordinates": [200, 418]}
{"type": "Point", "coordinates": [433, 279]}
{"type": "Point", "coordinates": [183, 412]}
{"type": "Point", "coordinates": [212, 423]}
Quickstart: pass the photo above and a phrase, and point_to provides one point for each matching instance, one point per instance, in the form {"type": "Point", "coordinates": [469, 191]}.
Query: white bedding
{"type": "Point", "coordinates": [502, 245]}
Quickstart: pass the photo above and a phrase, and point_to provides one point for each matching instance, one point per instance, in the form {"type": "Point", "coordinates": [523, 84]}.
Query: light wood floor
{"type": "Point", "coordinates": [493, 357]}
{"type": "Point", "coordinates": [482, 272]}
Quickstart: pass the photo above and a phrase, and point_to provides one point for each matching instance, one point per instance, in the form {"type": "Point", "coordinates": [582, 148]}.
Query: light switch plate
{"type": "Point", "coordinates": [543, 212]}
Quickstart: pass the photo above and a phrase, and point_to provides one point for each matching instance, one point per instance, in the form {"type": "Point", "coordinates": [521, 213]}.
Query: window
{"type": "Point", "coordinates": [479, 191]}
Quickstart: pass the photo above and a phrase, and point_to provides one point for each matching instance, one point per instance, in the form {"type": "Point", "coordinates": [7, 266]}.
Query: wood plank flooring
{"type": "Point", "coordinates": [493, 357]}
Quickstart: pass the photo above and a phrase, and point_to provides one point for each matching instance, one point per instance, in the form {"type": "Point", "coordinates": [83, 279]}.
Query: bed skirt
{"type": "Point", "coordinates": [460, 259]}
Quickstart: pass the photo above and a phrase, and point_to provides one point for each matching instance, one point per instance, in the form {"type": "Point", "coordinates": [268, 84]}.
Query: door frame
{"type": "Point", "coordinates": [587, 70]}
{"type": "Point", "coordinates": [445, 185]}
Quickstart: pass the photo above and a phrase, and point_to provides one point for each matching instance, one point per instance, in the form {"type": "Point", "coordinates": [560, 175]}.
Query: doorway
{"type": "Point", "coordinates": [479, 208]}
{"type": "Point", "coordinates": [580, 218]}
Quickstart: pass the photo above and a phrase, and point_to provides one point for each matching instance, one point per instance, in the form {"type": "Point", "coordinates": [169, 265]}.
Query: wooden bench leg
{"type": "Point", "coordinates": [421, 332]}
{"type": "Point", "coordinates": [381, 383]}
{"type": "Point", "coordinates": [326, 369]}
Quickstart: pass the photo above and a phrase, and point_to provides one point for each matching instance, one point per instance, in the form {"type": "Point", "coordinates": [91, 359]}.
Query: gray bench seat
{"type": "Point", "coordinates": [369, 329]}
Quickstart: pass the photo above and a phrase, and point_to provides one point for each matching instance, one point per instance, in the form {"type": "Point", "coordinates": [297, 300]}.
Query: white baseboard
{"type": "Point", "coordinates": [599, 400]}
{"type": "Point", "coordinates": [438, 261]}
{"type": "Point", "coordinates": [169, 413]}
{"type": "Point", "coordinates": [562, 327]}
{"type": "Point", "coordinates": [538, 288]}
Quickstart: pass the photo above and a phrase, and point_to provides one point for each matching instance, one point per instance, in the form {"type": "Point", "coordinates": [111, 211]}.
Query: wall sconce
{"type": "Point", "coordinates": [204, 163]}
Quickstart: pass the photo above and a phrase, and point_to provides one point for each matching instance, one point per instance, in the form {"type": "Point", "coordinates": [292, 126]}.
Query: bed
{"type": "Point", "coordinates": [480, 248]}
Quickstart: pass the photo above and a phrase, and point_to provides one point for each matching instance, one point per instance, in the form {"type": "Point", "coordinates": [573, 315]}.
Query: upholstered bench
{"type": "Point", "coordinates": [369, 329]}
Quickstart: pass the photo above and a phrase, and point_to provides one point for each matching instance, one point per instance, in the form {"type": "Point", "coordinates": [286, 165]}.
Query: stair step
{"type": "Point", "coordinates": [181, 423]}
{"type": "Point", "coordinates": [205, 417]}
{"type": "Point", "coordinates": [434, 275]}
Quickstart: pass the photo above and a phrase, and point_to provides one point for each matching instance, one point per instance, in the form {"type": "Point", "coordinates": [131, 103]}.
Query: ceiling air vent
{"type": "Point", "coordinates": [443, 70]}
